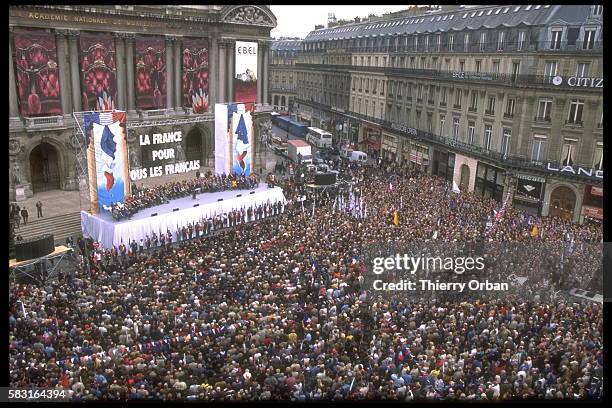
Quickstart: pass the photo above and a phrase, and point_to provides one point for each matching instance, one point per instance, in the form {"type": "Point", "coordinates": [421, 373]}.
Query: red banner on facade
{"type": "Point", "coordinates": [195, 74]}
{"type": "Point", "coordinates": [150, 71]}
{"type": "Point", "coordinates": [37, 73]}
{"type": "Point", "coordinates": [593, 212]}
{"type": "Point", "coordinates": [98, 71]}
{"type": "Point", "coordinates": [597, 191]}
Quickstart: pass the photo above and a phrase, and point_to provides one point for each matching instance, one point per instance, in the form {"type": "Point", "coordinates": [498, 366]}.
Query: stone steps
{"type": "Point", "coordinates": [61, 226]}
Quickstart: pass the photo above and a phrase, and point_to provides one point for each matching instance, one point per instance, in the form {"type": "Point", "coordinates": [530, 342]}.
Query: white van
{"type": "Point", "coordinates": [357, 156]}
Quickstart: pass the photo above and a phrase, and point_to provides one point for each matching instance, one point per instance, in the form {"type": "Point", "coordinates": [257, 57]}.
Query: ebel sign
{"type": "Point", "coordinates": [579, 171]}
{"type": "Point", "coordinates": [579, 82]}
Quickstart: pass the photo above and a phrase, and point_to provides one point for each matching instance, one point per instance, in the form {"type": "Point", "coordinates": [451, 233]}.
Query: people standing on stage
{"type": "Point", "coordinates": [141, 247]}
{"type": "Point", "coordinates": [39, 209]}
{"type": "Point", "coordinates": [148, 242]}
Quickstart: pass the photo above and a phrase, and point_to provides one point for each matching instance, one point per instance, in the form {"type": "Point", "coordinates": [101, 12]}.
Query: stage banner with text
{"type": "Point", "coordinates": [108, 130]}
{"type": "Point", "coordinates": [195, 74]}
{"type": "Point", "coordinates": [98, 71]}
{"type": "Point", "coordinates": [245, 82]}
{"type": "Point", "coordinates": [150, 68]}
{"type": "Point", "coordinates": [234, 137]}
{"type": "Point", "coordinates": [37, 73]}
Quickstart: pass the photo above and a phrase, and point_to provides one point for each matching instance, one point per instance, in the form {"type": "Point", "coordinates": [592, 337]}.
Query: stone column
{"type": "Point", "coordinates": [170, 73]}
{"type": "Point", "coordinates": [13, 103]}
{"type": "Point", "coordinates": [75, 70]}
{"type": "Point", "coordinates": [230, 51]}
{"type": "Point", "coordinates": [178, 97]}
{"type": "Point", "coordinates": [265, 51]}
{"type": "Point", "coordinates": [222, 73]}
{"type": "Point", "coordinates": [213, 73]}
{"type": "Point", "coordinates": [63, 66]}
{"type": "Point", "coordinates": [121, 71]}
{"type": "Point", "coordinates": [129, 62]}
{"type": "Point", "coordinates": [260, 71]}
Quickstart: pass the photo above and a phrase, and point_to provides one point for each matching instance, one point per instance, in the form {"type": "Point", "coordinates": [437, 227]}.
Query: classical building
{"type": "Point", "coordinates": [166, 66]}
{"type": "Point", "coordinates": [504, 100]}
{"type": "Point", "coordinates": [283, 78]}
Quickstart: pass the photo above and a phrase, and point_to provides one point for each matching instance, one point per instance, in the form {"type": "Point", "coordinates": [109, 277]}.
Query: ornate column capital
{"type": "Point", "coordinates": [73, 34]}
{"type": "Point", "coordinates": [60, 32]}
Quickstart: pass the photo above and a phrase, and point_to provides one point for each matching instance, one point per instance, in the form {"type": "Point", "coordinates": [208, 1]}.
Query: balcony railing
{"type": "Point", "coordinates": [489, 112]}
{"type": "Point", "coordinates": [456, 106]}
{"type": "Point", "coordinates": [513, 80]}
{"type": "Point", "coordinates": [506, 159]}
{"type": "Point", "coordinates": [577, 123]}
{"type": "Point", "coordinates": [542, 119]}
{"type": "Point", "coordinates": [44, 122]}
{"type": "Point", "coordinates": [508, 115]}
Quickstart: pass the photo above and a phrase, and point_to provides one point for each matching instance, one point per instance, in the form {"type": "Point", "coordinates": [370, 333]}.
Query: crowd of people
{"type": "Point", "coordinates": [275, 309]}
{"type": "Point", "coordinates": [146, 197]}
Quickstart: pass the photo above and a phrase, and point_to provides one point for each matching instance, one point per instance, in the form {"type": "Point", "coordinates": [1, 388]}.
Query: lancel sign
{"type": "Point", "coordinates": [579, 82]}
{"type": "Point", "coordinates": [579, 171]}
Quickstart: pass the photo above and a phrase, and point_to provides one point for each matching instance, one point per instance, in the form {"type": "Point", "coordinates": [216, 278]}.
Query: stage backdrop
{"type": "Point", "coordinates": [245, 82]}
{"type": "Point", "coordinates": [234, 137]}
{"type": "Point", "coordinates": [98, 71]}
{"type": "Point", "coordinates": [195, 74]}
{"type": "Point", "coordinates": [37, 73]}
{"type": "Point", "coordinates": [150, 68]}
{"type": "Point", "coordinates": [111, 167]}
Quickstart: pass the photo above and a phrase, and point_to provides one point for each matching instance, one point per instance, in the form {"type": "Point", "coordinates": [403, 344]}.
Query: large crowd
{"type": "Point", "coordinates": [274, 308]}
{"type": "Point", "coordinates": [146, 197]}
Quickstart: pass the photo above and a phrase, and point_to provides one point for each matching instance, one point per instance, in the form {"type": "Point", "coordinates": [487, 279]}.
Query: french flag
{"type": "Point", "coordinates": [106, 123]}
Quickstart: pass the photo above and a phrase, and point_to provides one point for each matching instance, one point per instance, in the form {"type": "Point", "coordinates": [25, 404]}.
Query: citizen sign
{"type": "Point", "coordinates": [576, 170]}
{"type": "Point", "coordinates": [580, 82]}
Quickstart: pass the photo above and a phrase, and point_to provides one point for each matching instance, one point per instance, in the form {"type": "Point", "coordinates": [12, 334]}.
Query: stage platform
{"type": "Point", "coordinates": [59, 250]}
{"type": "Point", "coordinates": [108, 232]}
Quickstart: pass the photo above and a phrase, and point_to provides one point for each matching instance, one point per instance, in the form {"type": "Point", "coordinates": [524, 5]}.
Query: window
{"type": "Point", "coordinates": [597, 10]}
{"type": "Point", "coordinates": [500, 41]}
{"type": "Point", "coordinates": [544, 108]}
{"type": "Point", "coordinates": [451, 42]}
{"type": "Point", "coordinates": [509, 107]}
{"type": "Point", "coordinates": [471, 131]}
{"type": "Point", "coordinates": [555, 43]}
{"type": "Point", "coordinates": [487, 137]}
{"type": "Point", "coordinates": [575, 112]}
{"type": "Point", "coordinates": [539, 148]}
{"type": "Point", "coordinates": [458, 95]}
{"type": "Point", "coordinates": [515, 70]}
{"type": "Point", "coordinates": [506, 141]}
{"type": "Point", "coordinates": [466, 42]}
{"type": "Point", "coordinates": [430, 123]}
{"type": "Point", "coordinates": [474, 101]}
{"type": "Point", "coordinates": [443, 96]}
{"type": "Point", "coordinates": [496, 67]}
{"type": "Point", "coordinates": [455, 129]}
{"type": "Point", "coordinates": [589, 39]}
{"type": "Point", "coordinates": [583, 69]}
{"type": "Point", "coordinates": [598, 158]}
{"type": "Point", "coordinates": [478, 65]}
{"type": "Point", "coordinates": [462, 66]}
{"type": "Point", "coordinates": [442, 120]}
{"type": "Point", "coordinates": [491, 105]}
{"type": "Point", "coordinates": [550, 70]}
{"type": "Point", "coordinates": [521, 40]}
{"type": "Point", "coordinates": [420, 92]}
{"type": "Point", "coordinates": [483, 41]}
{"type": "Point", "coordinates": [438, 42]}
{"type": "Point", "coordinates": [569, 152]}
{"type": "Point", "coordinates": [416, 42]}
{"type": "Point", "coordinates": [427, 42]}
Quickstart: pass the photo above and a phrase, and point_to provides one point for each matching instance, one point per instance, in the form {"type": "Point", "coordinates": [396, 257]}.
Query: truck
{"type": "Point", "coordinates": [299, 147]}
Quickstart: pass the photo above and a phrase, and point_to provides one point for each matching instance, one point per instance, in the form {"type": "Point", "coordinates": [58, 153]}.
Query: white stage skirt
{"type": "Point", "coordinates": [109, 232]}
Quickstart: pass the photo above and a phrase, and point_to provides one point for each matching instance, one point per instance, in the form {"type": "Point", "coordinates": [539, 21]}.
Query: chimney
{"type": "Point", "coordinates": [319, 26]}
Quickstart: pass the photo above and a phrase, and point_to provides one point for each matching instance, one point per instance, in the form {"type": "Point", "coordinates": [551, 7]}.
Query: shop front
{"type": "Point", "coordinates": [443, 164]}
{"type": "Point", "coordinates": [371, 140]}
{"type": "Point", "coordinates": [417, 155]}
{"type": "Point", "coordinates": [464, 173]}
{"type": "Point", "coordinates": [389, 147]}
{"type": "Point", "coordinates": [528, 194]}
{"type": "Point", "coordinates": [490, 181]}
{"type": "Point", "coordinates": [592, 204]}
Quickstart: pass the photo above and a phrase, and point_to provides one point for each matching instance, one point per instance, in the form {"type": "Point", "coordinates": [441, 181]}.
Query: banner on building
{"type": "Point", "coordinates": [245, 82]}
{"type": "Point", "coordinates": [592, 212]}
{"type": "Point", "coordinates": [234, 138]}
{"type": "Point", "coordinates": [195, 74]}
{"type": "Point", "coordinates": [98, 72]}
{"type": "Point", "coordinates": [529, 188]}
{"type": "Point", "coordinates": [150, 71]}
{"type": "Point", "coordinates": [597, 191]}
{"type": "Point", "coordinates": [107, 131]}
{"type": "Point", "coordinates": [37, 73]}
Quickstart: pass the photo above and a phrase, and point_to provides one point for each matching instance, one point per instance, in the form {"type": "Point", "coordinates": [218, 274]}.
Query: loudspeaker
{"type": "Point", "coordinates": [239, 195]}
{"type": "Point", "coordinates": [220, 199]}
{"type": "Point", "coordinates": [175, 209]}
{"type": "Point", "coordinates": [34, 247]}
{"type": "Point", "coordinates": [154, 214]}
{"type": "Point", "coordinates": [252, 192]}
{"type": "Point", "coordinates": [325, 179]}
{"type": "Point", "coordinates": [196, 205]}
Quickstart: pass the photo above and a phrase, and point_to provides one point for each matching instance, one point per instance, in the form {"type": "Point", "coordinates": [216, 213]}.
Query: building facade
{"type": "Point", "coordinates": [283, 78]}
{"type": "Point", "coordinates": [165, 66]}
{"type": "Point", "coordinates": [506, 101]}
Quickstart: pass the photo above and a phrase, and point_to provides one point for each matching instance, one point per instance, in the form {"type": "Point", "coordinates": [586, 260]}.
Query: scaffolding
{"type": "Point", "coordinates": [41, 269]}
